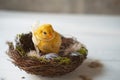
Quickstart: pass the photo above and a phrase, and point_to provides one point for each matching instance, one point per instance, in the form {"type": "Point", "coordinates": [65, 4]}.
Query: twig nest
{"type": "Point", "coordinates": [72, 53]}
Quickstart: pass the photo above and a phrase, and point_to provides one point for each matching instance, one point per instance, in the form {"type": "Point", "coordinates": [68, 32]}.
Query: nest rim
{"type": "Point", "coordinates": [50, 68]}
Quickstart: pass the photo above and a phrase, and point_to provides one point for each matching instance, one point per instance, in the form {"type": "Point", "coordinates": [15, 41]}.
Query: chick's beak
{"type": "Point", "coordinates": [50, 36]}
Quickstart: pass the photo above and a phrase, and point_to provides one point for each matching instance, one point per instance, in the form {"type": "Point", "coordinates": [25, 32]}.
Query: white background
{"type": "Point", "coordinates": [101, 35]}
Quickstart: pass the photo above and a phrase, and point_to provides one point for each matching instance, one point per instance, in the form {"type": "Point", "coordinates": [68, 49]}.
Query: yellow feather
{"type": "Point", "coordinates": [48, 40]}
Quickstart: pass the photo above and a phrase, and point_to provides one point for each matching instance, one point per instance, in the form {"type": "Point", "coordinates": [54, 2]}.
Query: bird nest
{"type": "Point", "coordinates": [23, 55]}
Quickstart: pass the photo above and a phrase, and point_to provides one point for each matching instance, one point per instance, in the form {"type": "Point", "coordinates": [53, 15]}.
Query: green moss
{"type": "Point", "coordinates": [20, 35]}
{"type": "Point", "coordinates": [65, 61]}
{"type": "Point", "coordinates": [83, 51]}
{"type": "Point", "coordinates": [58, 60]}
{"type": "Point", "coordinates": [41, 59]}
{"type": "Point", "coordinates": [20, 50]}
{"type": "Point", "coordinates": [62, 60]}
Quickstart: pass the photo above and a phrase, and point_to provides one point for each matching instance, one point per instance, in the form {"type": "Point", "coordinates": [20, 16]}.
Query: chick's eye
{"type": "Point", "coordinates": [44, 32]}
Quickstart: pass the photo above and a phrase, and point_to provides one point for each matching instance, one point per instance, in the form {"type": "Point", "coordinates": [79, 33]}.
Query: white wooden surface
{"type": "Point", "coordinates": [101, 35]}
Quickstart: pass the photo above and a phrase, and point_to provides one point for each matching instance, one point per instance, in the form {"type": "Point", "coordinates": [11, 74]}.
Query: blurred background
{"type": "Point", "coordinates": [64, 6]}
{"type": "Point", "coordinates": [96, 23]}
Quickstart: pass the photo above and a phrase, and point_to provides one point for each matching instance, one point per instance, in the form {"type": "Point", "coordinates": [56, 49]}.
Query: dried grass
{"type": "Point", "coordinates": [40, 66]}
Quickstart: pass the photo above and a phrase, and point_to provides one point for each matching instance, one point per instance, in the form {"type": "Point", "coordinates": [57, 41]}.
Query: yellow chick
{"type": "Point", "coordinates": [46, 39]}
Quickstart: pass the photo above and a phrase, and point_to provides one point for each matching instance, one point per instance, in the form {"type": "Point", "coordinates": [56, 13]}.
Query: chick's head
{"type": "Point", "coordinates": [45, 32]}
